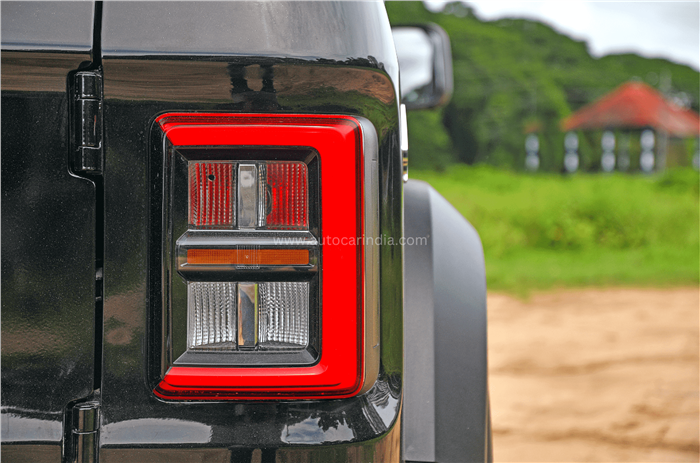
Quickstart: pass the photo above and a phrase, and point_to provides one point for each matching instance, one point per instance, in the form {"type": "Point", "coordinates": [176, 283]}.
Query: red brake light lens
{"type": "Point", "coordinates": [211, 185]}
{"type": "Point", "coordinates": [289, 196]}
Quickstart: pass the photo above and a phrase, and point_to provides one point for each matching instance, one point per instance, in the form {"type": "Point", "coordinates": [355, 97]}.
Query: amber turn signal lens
{"type": "Point", "coordinates": [248, 256]}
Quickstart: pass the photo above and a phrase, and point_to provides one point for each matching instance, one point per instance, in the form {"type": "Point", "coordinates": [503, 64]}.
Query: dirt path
{"type": "Point", "coordinates": [595, 375]}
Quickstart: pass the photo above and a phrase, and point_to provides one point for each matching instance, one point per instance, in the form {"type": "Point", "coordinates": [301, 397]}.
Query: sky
{"type": "Point", "coordinates": [655, 29]}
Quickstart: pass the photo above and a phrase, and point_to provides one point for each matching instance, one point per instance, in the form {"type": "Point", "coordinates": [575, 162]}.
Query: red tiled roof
{"type": "Point", "coordinates": [635, 105]}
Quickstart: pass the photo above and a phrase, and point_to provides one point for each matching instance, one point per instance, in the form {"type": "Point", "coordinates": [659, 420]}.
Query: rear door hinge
{"type": "Point", "coordinates": [85, 428]}
{"type": "Point", "coordinates": [87, 143]}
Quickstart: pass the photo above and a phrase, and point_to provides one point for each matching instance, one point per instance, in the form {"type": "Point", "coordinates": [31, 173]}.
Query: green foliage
{"type": "Point", "coordinates": [680, 180]}
{"type": "Point", "coordinates": [547, 230]}
{"type": "Point", "coordinates": [513, 73]}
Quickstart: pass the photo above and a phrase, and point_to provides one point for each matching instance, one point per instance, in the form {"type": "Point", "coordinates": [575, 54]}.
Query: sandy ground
{"type": "Point", "coordinates": [595, 375]}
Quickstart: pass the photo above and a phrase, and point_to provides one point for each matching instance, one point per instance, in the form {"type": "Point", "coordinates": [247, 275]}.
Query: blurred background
{"type": "Point", "coordinates": [571, 144]}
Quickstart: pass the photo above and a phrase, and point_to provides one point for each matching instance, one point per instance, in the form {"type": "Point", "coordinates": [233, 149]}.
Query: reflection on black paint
{"type": "Point", "coordinates": [48, 257]}
{"type": "Point", "coordinates": [253, 78]}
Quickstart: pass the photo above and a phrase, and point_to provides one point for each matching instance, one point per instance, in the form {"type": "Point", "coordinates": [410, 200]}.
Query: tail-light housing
{"type": "Point", "coordinates": [269, 262]}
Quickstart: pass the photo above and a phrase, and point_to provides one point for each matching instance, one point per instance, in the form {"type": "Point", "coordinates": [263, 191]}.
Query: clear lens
{"type": "Point", "coordinates": [212, 316]}
{"type": "Point", "coordinates": [284, 315]}
{"type": "Point", "coordinates": [280, 309]}
{"type": "Point", "coordinates": [247, 196]}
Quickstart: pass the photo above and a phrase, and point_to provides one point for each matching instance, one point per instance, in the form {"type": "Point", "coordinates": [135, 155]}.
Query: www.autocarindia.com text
{"type": "Point", "coordinates": [357, 240]}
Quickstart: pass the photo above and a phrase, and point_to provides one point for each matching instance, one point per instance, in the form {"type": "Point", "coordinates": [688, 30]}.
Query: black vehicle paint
{"type": "Point", "coordinates": [48, 224]}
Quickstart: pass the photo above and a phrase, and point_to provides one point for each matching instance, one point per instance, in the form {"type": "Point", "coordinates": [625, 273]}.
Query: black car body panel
{"type": "Point", "coordinates": [48, 231]}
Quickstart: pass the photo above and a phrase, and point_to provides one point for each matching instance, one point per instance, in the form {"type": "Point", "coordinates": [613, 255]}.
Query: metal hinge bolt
{"type": "Point", "coordinates": [87, 120]}
{"type": "Point", "coordinates": [85, 428]}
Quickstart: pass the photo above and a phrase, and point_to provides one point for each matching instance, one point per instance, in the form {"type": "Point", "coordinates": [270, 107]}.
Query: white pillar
{"type": "Point", "coordinates": [571, 159]}
{"type": "Point", "coordinates": [607, 160]}
{"type": "Point", "coordinates": [532, 148]}
{"type": "Point", "coordinates": [646, 158]}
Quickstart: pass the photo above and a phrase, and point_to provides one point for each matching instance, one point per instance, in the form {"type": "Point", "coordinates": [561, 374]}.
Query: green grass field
{"type": "Point", "coordinates": [546, 231]}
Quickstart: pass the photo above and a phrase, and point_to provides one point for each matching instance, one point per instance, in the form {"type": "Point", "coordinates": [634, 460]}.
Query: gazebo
{"type": "Point", "coordinates": [637, 106]}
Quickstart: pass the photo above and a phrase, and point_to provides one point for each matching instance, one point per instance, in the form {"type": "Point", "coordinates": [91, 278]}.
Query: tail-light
{"type": "Point", "coordinates": [269, 263]}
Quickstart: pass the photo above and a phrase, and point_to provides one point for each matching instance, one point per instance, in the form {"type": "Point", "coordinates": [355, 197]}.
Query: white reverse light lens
{"type": "Point", "coordinates": [284, 315]}
{"type": "Point", "coordinates": [278, 312]}
{"type": "Point", "coordinates": [212, 316]}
